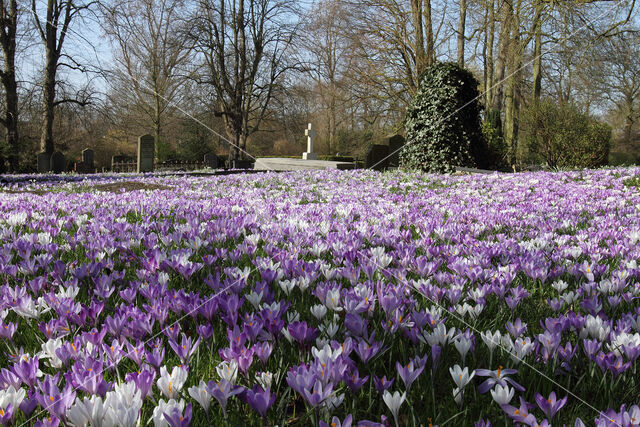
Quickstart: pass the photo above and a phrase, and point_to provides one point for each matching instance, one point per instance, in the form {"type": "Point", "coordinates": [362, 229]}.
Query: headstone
{"type": "Point", "coordinates": [87, 158]}
{"type": "Point", "coordinates": [311, 134]}
{"type": "Point", "coordinates": [44, 163]}
{"type": "Point", "coordinates": [211, 160]}
{"type": "Point", "coordinates": [146, 153]}
{"type": "Point", "coordinates": [377, 157]}
{"type": "Point", "coordinates": [396, 142]}
{"type": "Point", "coordinates": [58, 162]}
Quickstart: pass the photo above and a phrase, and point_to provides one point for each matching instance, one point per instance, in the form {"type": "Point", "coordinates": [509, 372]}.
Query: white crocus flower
{"type": "Point", "coordinates": [170, 385]}
{"type": "Point", "coordinates": [123, 406]}
{"type": "Point", "coordinates": [560, 286]}
{"type": "Point", "coordinates": [254, 299]}
{"type": "Point", "coordinates": [394, 401]}
{"type": "Point", "coordinates": [287, 285]}
{"type": "Point", "coordinates": [163, 407]}
{"type": "Point", "coordinates": [201, 395]}
{"type": "Point", "coordinates": [88, 411]}
{"type": "Point", "coordinates": [492, 340]}
{"type": "Point", "coordinates": [12, 397]}
{"type": "Point", "coordinates": [463, 345]}
{"type": "Point", "coordinates": [502, 395]}
{"type": "Point", "coordinates": [326, 353]}
{"type": "Point", "coordinates": [264, 379]}
{"type": "Point", "coordinates": [461, 376]}
{"type": "Point", "coordinates": [228, 371]}
{"type": "Point", "coordinates": [318, 311]}
{"type": "Point", "coordinates": [457, 395]}
{"type": "Point", "coordinates": [332, 301]}
{"type": "Point", "coordinates": [49, 352]}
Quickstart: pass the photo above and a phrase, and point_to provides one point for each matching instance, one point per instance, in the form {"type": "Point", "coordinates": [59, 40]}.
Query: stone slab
{"type": "Point", "coordinates": [44, 163]}
{"type": "Point", "coordinates": [280, 164]}
{"type": "Point", "coordinates": [146, 153]}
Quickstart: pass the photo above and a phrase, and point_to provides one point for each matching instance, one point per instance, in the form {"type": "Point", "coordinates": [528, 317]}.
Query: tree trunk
{"type": "Point", "coordinates": [420, 52]}
{"type": "Point", "coordinates": [48, 104]}
{"type": "Point", "coordinates": [430, 43]}
{"type": "Point", "coordinates": [461, 31]}
{"type": "Point", "coordinates": [9, 23]}
{"type": "Point", "coordinates": [503, 50]}
{"type": "Point", "coordinates": [537, 59]}
{"type": "Point", "coordinates": [512, 105]}
{"type": "Point", "coordinates": [11, 120]}
{"type": "Point", "coordinates": [489, 90]}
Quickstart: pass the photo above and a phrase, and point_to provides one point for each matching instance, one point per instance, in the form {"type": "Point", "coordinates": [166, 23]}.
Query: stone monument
{"type": "Point", "coordinates": [377, 157]}
{"type": "Point", "coordinates": [396, 142]}
{"type": "Point", "coordinates": [44, 162]}
{"type": "Point", "coordinates": [58, 162]}
{"type": "Point", "coordinates": [211, 160]}
{"type": "Point", "coordinates": [146, 153]}
{"type": "Point", "coordinates": [311, 134]}
{"type": "Point", "coordinates": [87, 158]}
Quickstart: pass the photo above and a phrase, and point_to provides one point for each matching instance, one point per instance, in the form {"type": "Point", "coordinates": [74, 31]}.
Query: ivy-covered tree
{"type": "Point", "coordinates": [443, 125]}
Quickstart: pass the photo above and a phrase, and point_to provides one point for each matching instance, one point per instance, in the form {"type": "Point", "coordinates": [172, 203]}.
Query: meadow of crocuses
{"type": "Point", "coordinates": [321, 298]}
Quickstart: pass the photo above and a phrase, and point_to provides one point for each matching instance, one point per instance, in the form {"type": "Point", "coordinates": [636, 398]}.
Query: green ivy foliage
{"type": "Point", "coordinates": [443, 126]}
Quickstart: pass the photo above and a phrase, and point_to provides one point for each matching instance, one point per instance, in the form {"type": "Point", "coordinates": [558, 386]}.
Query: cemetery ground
{"type": "Point", "coordinates": [311, 297]}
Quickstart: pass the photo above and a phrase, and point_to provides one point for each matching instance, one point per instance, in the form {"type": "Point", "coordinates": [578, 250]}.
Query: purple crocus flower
{"type": "Point", "coordinates": [51, 399]}
{"type": "Point", "coordinates": [185, 349]}
{"type": "Point", "coordinates": [409, 373]}
{"type": "Point", "coordinates": [7, 330]}
{"type": "Point", "coordinates": [87, 376]}
{"type": "Point", "coordinates": [143, 380]}
{"type": "Point", "coordinates": [318, 394]}
{"type": "Point", "coordinates": [521, 414]}
{"type": "Point", "coordinates": [8, 378]}
{"type": "Point", "coordinates": [335, 422]}
{"type": "Point", "coordinates": [365, 350]}
{"type": "Point", "coordinates": [205, 331]}
{"type": "Point", "coordinates": [382, 384]}
{"type": "Point", "coordinates": [263, 350]}
{"type": "Point", "coordinates": [47, 422]}
{"type": "Point", "coordinates": [6, 415]}
{"type": "Point", "coordinates": [177, 419]}
{"type": "Point", "coordinates": [353, 380]}
{"type": "Point", "coordinates": [301, 332]}
{"type": "Point", "coordinates": [222, 390]}
{"type": "Point", "coordinates": [29, 403]}
{"type": "Point", "coordinates": [498, 376]}
{"type": "Point", "coordinates": [260, 400]}
{"type": "Point", "coordinates": [26, 369]}
{"type": "Point", "coordinates": [550, 406]}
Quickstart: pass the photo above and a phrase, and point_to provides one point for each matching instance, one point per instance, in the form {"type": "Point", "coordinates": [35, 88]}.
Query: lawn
{"type": "Point", "coordinates": [346, 298]}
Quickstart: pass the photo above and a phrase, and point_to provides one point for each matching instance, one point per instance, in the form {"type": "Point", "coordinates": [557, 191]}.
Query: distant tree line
{"type": "Point", "coordinates": [246, 76]}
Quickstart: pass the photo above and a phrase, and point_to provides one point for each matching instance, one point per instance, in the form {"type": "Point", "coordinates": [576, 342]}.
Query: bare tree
{"type": "Point", "coordinates": [243, 46]}
{"type": "Point", "coordinates": [151, 56]}
{"type": "Point", "coordinates": [8, 31]}
{"type": "Point", "coordinates": [329, 46]}
{"type": "Point", "coordinates": [53, 29]}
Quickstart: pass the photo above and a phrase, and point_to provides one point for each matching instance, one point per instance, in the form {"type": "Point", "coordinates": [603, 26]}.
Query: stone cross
{"type": "Point", "coordinates": [311, 134]}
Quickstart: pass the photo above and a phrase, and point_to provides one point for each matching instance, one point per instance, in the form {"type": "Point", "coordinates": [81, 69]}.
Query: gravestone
{"type": "Point", "coordinates": [146, 153]}
{"type": "Point", "coordinates": [396, 142]}
{"type": "Point", "coordinates": [211, 160]}
{"type": "Point", "coordinates": [377, 157]}
{"type": "Point", "coordinates": [44, 163]}
{"type": "Point", "coordinates": [87, 158]}
{"type": "Point", "coordinates": [311, 134]}
{"type": "Point", "coordinates": [58, 162]}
